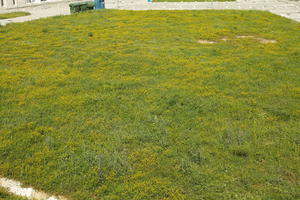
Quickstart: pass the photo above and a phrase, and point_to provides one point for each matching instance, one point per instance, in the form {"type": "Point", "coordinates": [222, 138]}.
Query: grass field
{"type": "Point", "coordinates": [13, 15]}
{"type": "Point", "coordinates": [127, 105]}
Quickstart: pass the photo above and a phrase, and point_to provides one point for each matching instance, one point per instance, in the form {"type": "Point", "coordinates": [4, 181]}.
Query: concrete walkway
{"type": "Point", "coordinates": [285, 8]}
{"type": "Point", "coordinates": [38, 11]}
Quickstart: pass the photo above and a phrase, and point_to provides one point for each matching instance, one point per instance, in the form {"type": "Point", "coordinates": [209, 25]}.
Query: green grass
{"type": "Point", "coordinates": [4, 195]}
{"type": "Point", "coordinates": [126, 105]}
{"type": "Point", "coordinates": [13, 15]}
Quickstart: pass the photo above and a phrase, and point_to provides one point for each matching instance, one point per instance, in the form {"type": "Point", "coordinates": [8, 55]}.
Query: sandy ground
{"type": "Point", "coordinates": [16, 188]}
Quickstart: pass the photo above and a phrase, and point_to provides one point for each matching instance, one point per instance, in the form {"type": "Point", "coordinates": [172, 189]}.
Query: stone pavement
{"type": "Point", "coordinates": [285, 8]}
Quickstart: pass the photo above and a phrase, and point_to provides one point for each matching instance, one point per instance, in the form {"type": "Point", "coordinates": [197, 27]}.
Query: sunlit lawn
{"type": "Point", "coordinates": [128, 105]}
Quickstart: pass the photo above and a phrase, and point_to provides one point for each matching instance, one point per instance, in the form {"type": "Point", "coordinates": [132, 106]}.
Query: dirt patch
{"type": "Point", "coordinates": [16, 188]}
{"type": "Point", "coordinates": [258, 39]}
{"type": "Point", "coordinates": [266, 41]}
{"type": "Point", "coordinates": [261, 40]}
{"type": "Point", "coordinates": [225, 39]}
{"type": "Point", "coordinates": [206, 42]}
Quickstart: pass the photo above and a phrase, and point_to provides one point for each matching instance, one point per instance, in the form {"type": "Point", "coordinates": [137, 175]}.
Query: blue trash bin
{"type": "Point", "coordinates": [99, 4]}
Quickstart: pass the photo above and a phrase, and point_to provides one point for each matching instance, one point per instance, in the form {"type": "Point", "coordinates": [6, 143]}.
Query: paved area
{"type": "Point", "coordinates": [38, 11]}
{"type": "Point", "coordinates": [285, 8]}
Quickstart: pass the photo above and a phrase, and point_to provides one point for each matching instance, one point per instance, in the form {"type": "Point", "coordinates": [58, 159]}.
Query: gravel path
{"type": "Point", "coordinates": [285, 8]}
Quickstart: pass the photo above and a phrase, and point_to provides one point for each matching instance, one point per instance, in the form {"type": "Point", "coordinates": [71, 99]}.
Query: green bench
{"type": "Point", "coordinates": [81, 6]}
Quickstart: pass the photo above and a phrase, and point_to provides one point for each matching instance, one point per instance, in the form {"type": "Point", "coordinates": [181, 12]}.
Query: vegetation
{"type": "Point", "coordinates": [13, 15]}
{"type": "Point", "coordinates": [128, 105]}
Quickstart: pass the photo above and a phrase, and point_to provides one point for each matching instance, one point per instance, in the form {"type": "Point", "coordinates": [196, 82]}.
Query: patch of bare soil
{"type": "Point", "coordinates": [261, 40]}
{"type": "Point", "coordinates": [16, 188]}
{"type": "Point", "coordinates": [206, 42]}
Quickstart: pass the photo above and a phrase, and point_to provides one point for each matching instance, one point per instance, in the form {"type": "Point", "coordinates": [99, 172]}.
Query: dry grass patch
{"type": "Point", "coordinates": [206, 42]}
{"type": "Point", "coordinates": [259, 39]}
{"type": "Point", "coordinates": [225, 39]}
